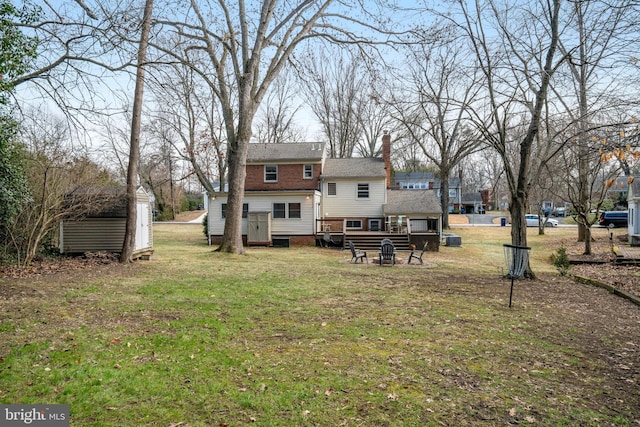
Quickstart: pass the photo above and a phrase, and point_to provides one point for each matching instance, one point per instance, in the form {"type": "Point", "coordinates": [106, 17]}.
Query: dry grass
{"type": "Point", "coordinates": [299, 336]}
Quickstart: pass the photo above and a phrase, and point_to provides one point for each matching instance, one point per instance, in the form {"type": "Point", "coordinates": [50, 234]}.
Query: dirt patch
{"type": "Point", "coordinates": [457, 219]}
{"type": "Point", "coordinates": [89, 263]}
{"type": "Point", "coordinates": [599, 265]}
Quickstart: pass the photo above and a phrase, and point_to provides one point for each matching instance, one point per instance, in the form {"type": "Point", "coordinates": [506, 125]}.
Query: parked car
{"type": "Point", "coordinates": [614, 218]}
{"type": "Point", "coordinates": [560, 211]}
{"type": "Point", "coordinates": [532, 221]}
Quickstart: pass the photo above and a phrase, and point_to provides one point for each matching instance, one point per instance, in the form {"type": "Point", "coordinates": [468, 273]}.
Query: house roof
{"type": "Point", "coordinates": [422, 176]}
{"type": "Point", "coordinates": [305, 151]}
{"type": "Point", "coordinates": [412, 202]}
{"type": "Point", "coordinates": [365, 167]}
{"type": "Point", "coordinates": [471, 197]}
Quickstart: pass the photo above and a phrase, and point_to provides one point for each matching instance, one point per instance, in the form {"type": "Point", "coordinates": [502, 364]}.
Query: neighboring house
{"type": "Point", "coordinates": [473, 203]}
{"type": "Point", "coordinates": [420, 180]}
{"type": "Point", "coordinates": [102, 228]}
{"type": "Point", "coordinates": [428, 181]}
{"type": "Point", "coordinates": [633, 199]}
{"type": "Point", "coordinates": [295, 195]}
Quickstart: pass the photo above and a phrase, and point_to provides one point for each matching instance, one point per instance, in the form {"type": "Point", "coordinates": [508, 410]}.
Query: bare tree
{"type": "Point", "coordinates": [275, 121]}
{"type": "Point", "coordinates": [56, 171]}
{"type": "Point", "coordinates": [239, 50]}
{"type": "Point", "coordinates": [334, 88]}
{"type": "Point", "coordinates": [129, 240]}
{"type": "Point", "coordinates": [434, 107]}
{"type": "Point", "coordinates": [82, 50]}
{"type": "Point", "coordinates": [188, 117]}
{"type": "Point", "coordinates": [596, 41]}
{"type": "Point", "coordinates": [517, 66]}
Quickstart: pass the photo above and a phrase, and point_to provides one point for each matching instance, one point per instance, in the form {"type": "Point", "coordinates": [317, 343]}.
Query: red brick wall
{"type": "Point", "coordinates": [290, 177]}
{"type": "Point", "coordinates": [294, 240]}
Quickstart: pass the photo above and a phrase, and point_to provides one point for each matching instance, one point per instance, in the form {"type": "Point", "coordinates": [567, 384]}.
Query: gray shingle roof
{"type": "Point", "coordinates": [412, 202]}
{"type": "Point", "coordinates": [415, 176]}
{"type": "Point", "coordinates": [369, 167]}
{"type": "Point", "coordinates": [305, 151]}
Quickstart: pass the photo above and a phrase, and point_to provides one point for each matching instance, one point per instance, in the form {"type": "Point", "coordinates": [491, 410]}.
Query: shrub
{"type": "Point", "coordinates": [561, 261]}
{"type": "Point", "coordinates": [205, 223]}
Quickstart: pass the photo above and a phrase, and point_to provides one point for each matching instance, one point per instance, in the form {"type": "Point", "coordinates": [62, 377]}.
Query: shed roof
{"type": "Point", "coordinates": [362, 167]}
{"type": "Point", "coordinates": [102, 201]}
{"type": "Point", "coordinates": [412, 202]}
{"type": "Point", "coordinates": [305, 151]}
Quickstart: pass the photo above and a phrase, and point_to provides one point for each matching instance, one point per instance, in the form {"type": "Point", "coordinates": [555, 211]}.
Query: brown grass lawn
{"type": "Point", "coordinates": [299, 336]}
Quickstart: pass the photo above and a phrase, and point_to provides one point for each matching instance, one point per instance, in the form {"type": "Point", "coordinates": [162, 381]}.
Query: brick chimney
{"type": "Point", "coordinates": [386, 156]}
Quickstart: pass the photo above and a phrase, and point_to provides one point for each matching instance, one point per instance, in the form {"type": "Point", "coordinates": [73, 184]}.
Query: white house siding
{"type": "Point", "coordinates": [346, 203]}
{"type": "Point", "coordinates": [303, 226]}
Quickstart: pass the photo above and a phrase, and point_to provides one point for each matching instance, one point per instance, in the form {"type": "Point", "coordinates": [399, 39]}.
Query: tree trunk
{"type": "Point", "coordinates": [517, 209]}
{"type": "Point", "coordinates": [232, 237]}
{"type": "Point", "coordinates": [134, 151]}
{"type": "Point", "coordinates": [444, 199]}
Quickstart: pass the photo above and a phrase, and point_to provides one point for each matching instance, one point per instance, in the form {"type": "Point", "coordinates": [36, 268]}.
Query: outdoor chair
{"type": "Point", "coordinates": [387, 252]}
{"type": "Point", "coordinates": [328, 240]}
{"type": "Point", "coordinates": [418, 257]}
{"type": "Point", "coordinates": [357, 254]}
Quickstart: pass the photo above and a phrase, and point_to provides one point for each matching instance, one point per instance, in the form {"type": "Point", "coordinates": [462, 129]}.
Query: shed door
{"type": "Point", "coordinates": [259, 228]}
{"type": "Point", "coordinates": [142, 226]}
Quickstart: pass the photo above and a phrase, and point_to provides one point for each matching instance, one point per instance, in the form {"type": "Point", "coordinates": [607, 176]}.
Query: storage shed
{"type": "Point", "coordinates": [102, 227]}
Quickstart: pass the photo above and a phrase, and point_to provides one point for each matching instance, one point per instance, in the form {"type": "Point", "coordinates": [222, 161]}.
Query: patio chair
{"type": "Point", "coordinates": [357, 254]}
{"type": "Point", "coordinates": [327, 240]}
{"type": "Point", "coordinates": [418, 257]}
{"type": "Point", "coordinates": [387, 252]}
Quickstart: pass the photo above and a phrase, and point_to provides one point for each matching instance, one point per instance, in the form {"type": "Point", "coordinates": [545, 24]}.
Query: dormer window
{"type": "Point", "coordinates": [270, 173]}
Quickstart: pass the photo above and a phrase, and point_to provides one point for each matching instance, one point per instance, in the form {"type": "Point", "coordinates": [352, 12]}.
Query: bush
{"type": "Point", "coordinates": [561, 261]}
{"type": "Point", "coordinates": [205, 223]}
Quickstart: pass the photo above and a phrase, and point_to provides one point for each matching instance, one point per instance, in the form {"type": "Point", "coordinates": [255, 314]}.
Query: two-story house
{"type": "Point", "coordinates": [282, 197]}
{"type": "Point", "coordinates": [295, 195]}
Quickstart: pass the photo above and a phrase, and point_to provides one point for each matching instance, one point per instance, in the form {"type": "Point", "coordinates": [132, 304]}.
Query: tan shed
{"type": "Point", "coordinates": [102, 229]}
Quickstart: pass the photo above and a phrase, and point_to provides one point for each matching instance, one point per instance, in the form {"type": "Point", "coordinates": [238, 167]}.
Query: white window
{"type": "Point", "coordinates": [363, 191]}
{"type": "Point", "coordinates": [294, 210]}
{"type": "Point", "coordinates": [354, 224]}
{"type": "Point", "coordinates": [308, 172]}
{"type": "Point", "coordinates": [270, 173]}
{"type": "Point", "coordinates": [332, 189]}
{"type": "Point", "coordinates": [279, 210]}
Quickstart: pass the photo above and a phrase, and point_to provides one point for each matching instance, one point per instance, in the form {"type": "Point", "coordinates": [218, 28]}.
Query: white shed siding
{"type": "Point", "coordinates": [346, 203]}
{"type": "Point", "coordinates": [302, 226]}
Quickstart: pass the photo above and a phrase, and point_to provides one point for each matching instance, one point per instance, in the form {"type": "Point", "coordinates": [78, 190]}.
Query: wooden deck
{"type": "Point", "coordinates": [370, 240]}
{"type": "Point", "coordinates": [627, 255]}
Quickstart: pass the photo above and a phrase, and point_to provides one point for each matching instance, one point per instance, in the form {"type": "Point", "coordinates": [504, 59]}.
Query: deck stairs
{"type": "Point", "coordinates": [371, 242]}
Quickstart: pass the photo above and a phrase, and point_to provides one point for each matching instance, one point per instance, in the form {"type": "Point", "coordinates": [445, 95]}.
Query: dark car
{"type": "Point", "coordinates": [614, 218]}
